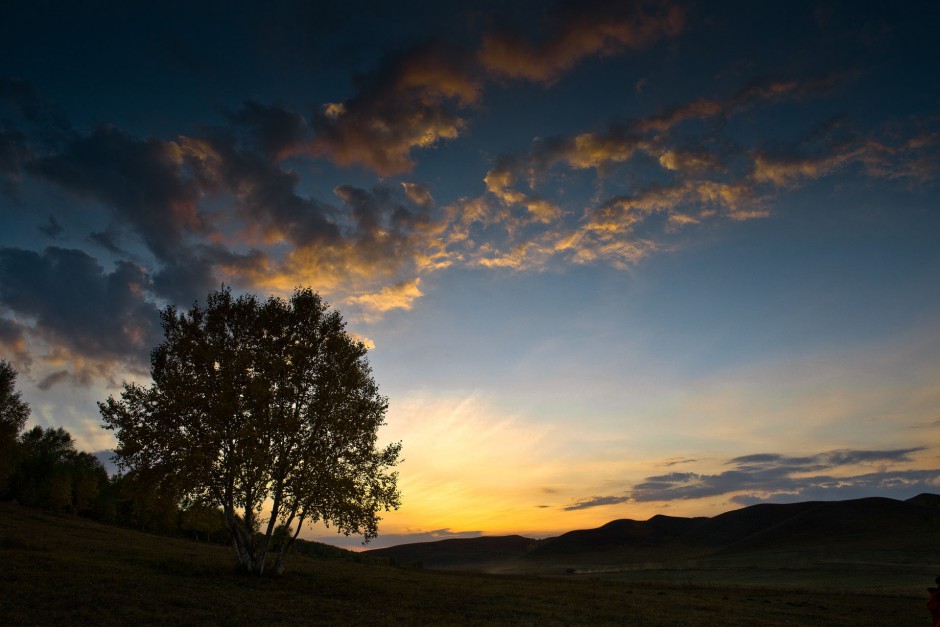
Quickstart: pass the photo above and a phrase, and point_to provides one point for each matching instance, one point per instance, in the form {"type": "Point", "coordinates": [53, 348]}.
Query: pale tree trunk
{"type": "Point", "coordinates": [286, 544]}
{"type": "Point", "coordinates": [241, 546]}
{"type": "Point", "coordinates": [272, 521]}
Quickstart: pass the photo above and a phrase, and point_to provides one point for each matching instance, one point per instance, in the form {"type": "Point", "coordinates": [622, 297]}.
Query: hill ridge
{"type": "Point", "coordinates": [832, 527]}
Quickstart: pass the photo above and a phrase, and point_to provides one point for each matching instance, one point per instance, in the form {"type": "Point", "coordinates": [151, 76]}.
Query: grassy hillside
{"type": "Point", "coordinates": [68, 571]}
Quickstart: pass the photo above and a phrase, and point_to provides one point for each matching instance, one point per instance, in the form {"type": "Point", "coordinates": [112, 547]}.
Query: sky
{"type": "Point", "coordinates": [612, 259]}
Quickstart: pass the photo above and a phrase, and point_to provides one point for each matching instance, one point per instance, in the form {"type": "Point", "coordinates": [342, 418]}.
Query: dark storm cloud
{"type": "Point", "coordinates": [74, 304]}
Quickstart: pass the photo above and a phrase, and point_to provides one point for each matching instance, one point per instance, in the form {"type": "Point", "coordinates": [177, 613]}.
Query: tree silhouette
{"type": "Point", "coordinates": [51, 474]}
{"type": "Point", "coordinates": [13, 415]}
{"type": "Point", "coordinates": [267, 410]}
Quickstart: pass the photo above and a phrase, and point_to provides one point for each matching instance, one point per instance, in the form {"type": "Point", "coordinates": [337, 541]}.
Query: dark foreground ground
{"type": "Point", "coordinates": [66, 571]}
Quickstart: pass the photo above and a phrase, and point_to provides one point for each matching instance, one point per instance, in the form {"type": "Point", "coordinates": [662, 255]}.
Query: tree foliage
{"type": "Point", "coordinates": [267, 410]}
{"type": "Point", "coordinates": [13, 415]}
{"type": "Point", "coordinates": [51, 474]}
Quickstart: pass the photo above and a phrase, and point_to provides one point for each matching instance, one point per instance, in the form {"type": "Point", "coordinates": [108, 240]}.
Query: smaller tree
{"type": "Point", "coordinates": [43, 476]}
{"type": "Point", "coordinates": [13, 415]}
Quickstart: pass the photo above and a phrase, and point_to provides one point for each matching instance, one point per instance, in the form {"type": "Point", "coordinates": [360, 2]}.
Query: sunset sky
{"type": "Point", "coordinates": [615, 258]}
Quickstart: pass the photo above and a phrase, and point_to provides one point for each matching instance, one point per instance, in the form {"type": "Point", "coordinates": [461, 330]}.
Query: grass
{"type": "Point", "coordinates": [64, 571]}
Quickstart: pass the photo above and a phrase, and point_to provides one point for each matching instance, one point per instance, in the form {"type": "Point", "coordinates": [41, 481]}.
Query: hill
{"type": "Point", "coordinates": [62, 570]}
{"type": "Point", "coordinates": [462, 553]}
{"type": "Point", "coordinates": [853, 531]}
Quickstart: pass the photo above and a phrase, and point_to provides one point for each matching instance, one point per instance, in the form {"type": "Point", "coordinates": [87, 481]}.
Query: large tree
{"type": "Point", "coordinates": [267, 410]}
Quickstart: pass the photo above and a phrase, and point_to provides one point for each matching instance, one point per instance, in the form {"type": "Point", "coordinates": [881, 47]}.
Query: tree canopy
{"type": "Point", "coordinates": [13, 415]}
{"type": "Point", "coordinates": [267, 409]}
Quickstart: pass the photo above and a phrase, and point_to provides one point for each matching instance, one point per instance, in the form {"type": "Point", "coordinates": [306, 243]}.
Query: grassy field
{"type": "Point", "coordinates": [63, 571]}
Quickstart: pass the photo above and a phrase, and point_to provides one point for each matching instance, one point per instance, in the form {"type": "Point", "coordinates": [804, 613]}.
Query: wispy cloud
{"type": "Point", "coordinates": [771, 477]}
{"type": "Point", "coordinates": [596, 501]}
{"type": "Point", "coordinates": [576, 32]}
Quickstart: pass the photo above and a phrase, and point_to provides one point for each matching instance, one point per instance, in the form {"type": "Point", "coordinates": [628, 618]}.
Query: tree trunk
{"type": "Point", "coordinates": [241, 546]}
{"type": "Point", "coordinates": [286, 544]}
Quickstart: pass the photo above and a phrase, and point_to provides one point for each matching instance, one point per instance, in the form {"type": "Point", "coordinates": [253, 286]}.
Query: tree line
{"type": "Point", "coordinates": [41, 467]}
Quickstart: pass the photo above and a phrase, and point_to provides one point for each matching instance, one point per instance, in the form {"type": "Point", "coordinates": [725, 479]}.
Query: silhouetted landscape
{"type": "Point", "coordinates": [876, 542]}
{"type": "Point", "coordinates": [602, 312]}
{"type": "Point", "coordinates": [858, 562]}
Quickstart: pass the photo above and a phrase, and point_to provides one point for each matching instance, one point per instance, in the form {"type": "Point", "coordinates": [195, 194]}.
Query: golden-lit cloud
{"type": "Point", "coordinates": [369, 343]}
{"type": "Point", "coordinates": [398, 296]}
{"type": "Point", "coordinates": [592, 29]}
{"type": "Point", "coordinates": [411, 102]}
{"type": "Point", "coordinates": [418, 194]}
{"type": "Point", "coordinates": [679, 160]}
{"type": "Point", "coordinates": [418, 99]}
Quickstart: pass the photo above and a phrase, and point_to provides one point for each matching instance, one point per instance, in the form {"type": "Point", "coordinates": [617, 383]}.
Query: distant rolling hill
{"type": "Point", "coordinates": [830, 529]}
{"type": "Point", "coordinates": [464, 553]}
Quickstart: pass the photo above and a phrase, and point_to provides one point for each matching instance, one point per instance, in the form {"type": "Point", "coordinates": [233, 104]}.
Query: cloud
{"type": "Point", "coordinates": [273, 131]}
{"type": "Point", "coordinates": [49, 381]}
{"type": "Point", "coordinates": [418, 98]}
{"type": "Point", "coordinates": [144, 181]}
{"type": "Point", "coordinates": [763, 91]}
{"type": "Point", "coordinates": [51, 228]}
{"type": "Point", "coordinates": [577, 32]}
{"type": "Point", "coordinates": [771, 477]}
{"type": "Point", "coordinates": [27, 103]}
{"type": "Point", "coordinates": [367, 342]}
{"type": "Point", "coordinates": [65, 299]}
{"type": "Point", "coordinates": [398, 296]}
{"type": "Point", "coordinates": [418, 194]}
{"type": "Point", "coordinates": [672, 181]}
{"type": "Point", "coordinates": [14, 153]}
{"type": "Point", "coordinates": [411, 101]}
{"type": "Point", "coordinates": [13, 342]}
{"type": "Point", "coordinates": [675, 461]}
{"type": "Point", "coordinates": [768, 475]}
{"type": "Point", "coordinates": [382, 240]}
{"type": "Point", "coordinates": [596, 501]}
{"type": "Point", "coordinates": [916, 158]}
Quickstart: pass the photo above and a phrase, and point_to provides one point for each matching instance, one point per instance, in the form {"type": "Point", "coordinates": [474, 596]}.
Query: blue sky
{"type": "Point", "coordinates": [615, 259]}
